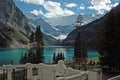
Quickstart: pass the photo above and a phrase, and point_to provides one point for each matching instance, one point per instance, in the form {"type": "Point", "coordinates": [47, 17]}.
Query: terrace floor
{"type": "Point", "coordinates": [106, 76]}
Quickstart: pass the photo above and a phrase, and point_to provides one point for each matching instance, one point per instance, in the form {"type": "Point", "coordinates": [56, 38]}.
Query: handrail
{"type": "Point", "coordinates": [115, 78]}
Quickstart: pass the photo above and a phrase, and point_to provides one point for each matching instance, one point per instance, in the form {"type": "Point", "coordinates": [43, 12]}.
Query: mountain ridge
{"type": "Point", "coordinates": [59, 28]}
{"type": "Point", "coordinates": [15, 28]}
{"type": "Point", "coordinates": [88, 31]}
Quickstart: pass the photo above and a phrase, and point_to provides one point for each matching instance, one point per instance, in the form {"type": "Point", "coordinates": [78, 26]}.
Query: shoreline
{"type": "Point", "coordinates": [95, 59]}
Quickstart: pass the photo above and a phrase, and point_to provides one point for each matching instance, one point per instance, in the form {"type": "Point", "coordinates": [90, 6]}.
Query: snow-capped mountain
{"type": "Point", "coordinates": [45, 27]}
{"type": "Point", "coordinates": [89, 31]}
{"type": "Point", "coordinates": [59, 28]}
{"type": "Point", "coordinates": [71, 20]}
{"type": "Point", "coordinates": [66, 24]}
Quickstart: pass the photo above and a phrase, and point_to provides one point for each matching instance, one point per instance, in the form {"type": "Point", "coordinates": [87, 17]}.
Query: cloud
{"type": "Point", "coordinates": [37, 12]}
{"type": "Point", "coordinates": [39, 2]}
{"type": "Point", "coordinates": [82, 6]}
{"type": "Point", "coordinates": [51, 6]}
{"type": "Point", "coordinates": [114, 5]}
{"type": "Point", "coordinates": [68, 12]}
{"type": "Point", "coordinates": [100, 5]}
{"type": "Point", "coordinates": [82, 13]}
{"type": "Point", "coordinates": [54, 10]}
{"type": "Point", "coordinates": [61, 37]}
{"type": "Point", "coordinates": [71, 5]}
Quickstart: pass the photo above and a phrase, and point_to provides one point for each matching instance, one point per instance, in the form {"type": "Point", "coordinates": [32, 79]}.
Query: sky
{"type": "Point", "coordinates": [60, 8]}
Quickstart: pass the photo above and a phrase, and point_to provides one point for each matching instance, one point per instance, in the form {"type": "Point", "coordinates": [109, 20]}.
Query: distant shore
{"type": "Point", "coordinates": [95, 59]}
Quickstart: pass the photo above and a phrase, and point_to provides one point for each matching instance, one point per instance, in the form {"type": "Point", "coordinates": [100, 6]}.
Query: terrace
{"type": "Point", "coordinates": [47, 72]}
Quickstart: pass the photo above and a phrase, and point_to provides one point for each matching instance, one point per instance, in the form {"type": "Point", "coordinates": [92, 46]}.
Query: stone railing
{"type": "Point", "coordinates": [49, 72]}
{"type": "Point", "coordinates": [115, 78]}
{"type": "Point", "coordinates": [95, 74]}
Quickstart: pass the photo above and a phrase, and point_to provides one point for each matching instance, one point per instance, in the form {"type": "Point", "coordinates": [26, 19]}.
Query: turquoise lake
{"type": "Point", "coordinates": [8, 54]}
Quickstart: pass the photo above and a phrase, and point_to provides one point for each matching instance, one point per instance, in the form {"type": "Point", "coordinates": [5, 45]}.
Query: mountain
{"type": "Point", "coordinates": [14, 26]}
{"type": "Point", "coordinates": [45, 27]}
{"type": "Point", "coordinates": [31, 16]}
{"type": "Point", "coordinates": [88, 31]}
{"type": "Point", "coordinates": [59, 28]}
{"type": "Point", "coordinates": [49, 41]}
{"type": "Point", "coordinates": [66, 24]}
{"type": "Point", "coordinates": [71, 20]}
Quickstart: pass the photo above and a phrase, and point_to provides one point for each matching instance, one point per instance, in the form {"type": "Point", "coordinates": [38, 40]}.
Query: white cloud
{"type": "Point", "coordinates": [37, 12]}
{"type": "Point", "coordinates": [114, 5]}
{"type": "Point", "coordinates": [39, 2]}
{"type": "Point", "coordinates": [93, 15]}
{"type": "Point", "coordinates": [100, 5]}
{"type": "Point", "coordinates": [51, 6]}
{"type": "Point", "coordinates": [71, 5]}
{"type": "Point", "coordinates": [82, 6]}
{"type": "Point", "coordinates": [54, 10]}
{"type": "Point", "coordinates": [67, 12]}
{"type": "Point", "coordinates": [82, 13]}
{"type": "Point", "coordinates": [61, 37]}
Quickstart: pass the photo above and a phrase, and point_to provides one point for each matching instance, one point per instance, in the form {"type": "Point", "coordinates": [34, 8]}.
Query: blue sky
{"type": "Point", "coordinates": [61, 8]}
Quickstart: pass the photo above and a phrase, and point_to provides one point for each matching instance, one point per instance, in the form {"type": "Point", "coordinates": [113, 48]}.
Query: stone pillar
{"type": "Point", "coordinates": [61, 68]}
{"type": "Point", "coordinates": [54, 71]}
{"type": "Point", "coordinates": [95, 74]}
{"type": "Point", "coordinates": [9, 72]}
{"type": "Point", "coordinates": [40, 70]}
{"type": "Point", "coordinates": [4, 72]}
{"type": "Point", "coordinates": [29, 71]}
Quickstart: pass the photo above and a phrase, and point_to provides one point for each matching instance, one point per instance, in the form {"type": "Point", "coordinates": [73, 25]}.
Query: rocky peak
{"type": "Point", "coordinates": [13, 17]}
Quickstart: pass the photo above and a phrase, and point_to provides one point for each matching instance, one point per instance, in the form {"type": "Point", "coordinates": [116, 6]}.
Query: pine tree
{"type": "Point", "coordinates": [80, 52]}
{"type": "Point", "coordinates": [60, 56]}
{"type": "Point", "coordinates": [79, 44]}
{"type": "Point", "coordinates": [108, 41]}
{"type": "Point", "coordinates": [32, 37]}
{"type": "Point", "coordinates": [23, 59]}
{"type": "Point", "coordinates": [39, 58]}
{"type": "Point", "coordinates": [39, 37]}
{"type": "Point", "coordinates": [79, 21]}
{"type": "Point", "coordinates": [63, 57]}
{"type": "Point", "coordinates": [54, 58]}
{"type": "Point", "coordinates": [35, 53]}
{"type": "Point", "coordinates": [39, 45]}
{"type": "Point", "coordinates": [31, 56]}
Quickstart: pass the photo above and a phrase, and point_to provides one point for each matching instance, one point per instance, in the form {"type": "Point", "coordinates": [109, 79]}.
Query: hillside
{"type": "Point", "coordinates": [59, 28]}
{"type": "Point", "coordinates": [88, 31]}
{"type": "Point", "coordinates": [14, 26]}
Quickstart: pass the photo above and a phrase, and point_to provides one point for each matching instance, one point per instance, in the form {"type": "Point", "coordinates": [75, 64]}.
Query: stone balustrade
{"type": "Point", "coordinates": [115, 78]}
{"type": "Point", "coordinates": [95, 74]}
{"type": "Point", "coordinates": [51, 72]}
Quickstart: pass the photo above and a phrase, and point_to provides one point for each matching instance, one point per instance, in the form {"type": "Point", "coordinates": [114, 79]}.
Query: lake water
{"type": "Point", "coordinates": [7, 55]}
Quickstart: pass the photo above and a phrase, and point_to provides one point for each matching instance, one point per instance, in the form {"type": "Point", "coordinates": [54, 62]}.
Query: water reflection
{"type": "Point", "coordinates": [6, 55]}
